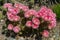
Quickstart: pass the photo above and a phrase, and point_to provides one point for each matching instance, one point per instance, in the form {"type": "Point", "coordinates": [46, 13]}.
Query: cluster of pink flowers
{"type": "Point", "coordinates": [34, 23]}
{"type": "Point", "coordinates": [12, 14]}
{"type": "Point", "coordinates": [44, 13]}
{"type": "Point", "coordinates": [14, 10]}
{"type": "Point", "coordinates": [16, 29]}
{"type": "Point", "coordinates": [47, 15]}
{"type": "Point", "coordinates": [12, 17]}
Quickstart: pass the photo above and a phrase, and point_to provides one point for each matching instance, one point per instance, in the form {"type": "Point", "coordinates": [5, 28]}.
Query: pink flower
{"type": "Point", "coordinates": [36, 21]}
{"type": "Point", "coordinates": [43, 9]}
{"type": "Point", "coordinates": [16, 18]}
{"type": "Point", "coordinates": [42, 14]}
{"type": "Point", "coordinates": [32, 12]}
{"type": "Point", "coordinates": [13, 10]}
{"type": "Point", "coordinates": [45, 33]}
{"type": "Point", "coordinates": [34, 26]}
{"type": "Point", "coordinates": [37, 15]}
{"type": "Point", "coordinates": [16, 29]}
{"type": "Point", "coordinates": [10, 27]}
{"type": "Point", "coordinates": [25, 8]}
{"type": "Point", "coordinates": [52, 25]}
{"type": "Point", "coordinates": [18, 5]}
{"type": "Point", "coordinates": [28, 23]}
{"type": "Point", "coordinates": [7, 5]}
{"type": "Point", "coordinates": [52, 15]}
{"type": "Point", "coordinates": [21, 6]}
{"type": "Point", "coordinates": [47, 18]}
{"type": "Point", "coordinates": [29, 13]}
{"type": "Point", "coordinates": [10, 16]}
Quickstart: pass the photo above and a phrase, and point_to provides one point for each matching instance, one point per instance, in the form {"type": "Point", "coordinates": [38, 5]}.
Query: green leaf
{"type": "Point", "coordinates": [56, 9]}
{"type": "Point", "coordinates": [32, 1]}
{"type": "Point", "coordinates": [1, 15]}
